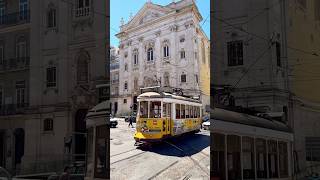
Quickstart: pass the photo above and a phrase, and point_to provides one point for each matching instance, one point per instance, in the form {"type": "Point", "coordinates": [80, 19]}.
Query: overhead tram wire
{"type": "Point", "coordinates": [263, 38]}
{"type": "Point", "coordinates": [251, 65]}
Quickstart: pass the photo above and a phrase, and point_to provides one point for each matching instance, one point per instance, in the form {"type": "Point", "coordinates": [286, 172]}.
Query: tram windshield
{"type": "Point", "coordinates": [155, 109]}
{"type": "Point", "coordinates": [143, 109]}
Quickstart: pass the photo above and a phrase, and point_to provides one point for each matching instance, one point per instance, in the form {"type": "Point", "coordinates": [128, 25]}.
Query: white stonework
{"type": "Point", "coordinates": [176, 26]}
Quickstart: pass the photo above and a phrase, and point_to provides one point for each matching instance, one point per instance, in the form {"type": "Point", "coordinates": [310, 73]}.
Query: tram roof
{"type": "Point", "coordinates": [246, 119]}
{"type": "Point", "coordinates": [165, 95]}
{"type": "Point", "coordinates": [100, 109]}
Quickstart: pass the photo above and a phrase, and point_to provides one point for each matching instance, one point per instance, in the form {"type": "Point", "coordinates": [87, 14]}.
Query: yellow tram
{"type": "Point", "coordinates": [162, 115]}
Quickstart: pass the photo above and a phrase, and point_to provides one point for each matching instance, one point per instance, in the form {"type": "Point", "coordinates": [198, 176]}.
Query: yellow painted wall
{"type": "Point", "coordinates": [304, 34]}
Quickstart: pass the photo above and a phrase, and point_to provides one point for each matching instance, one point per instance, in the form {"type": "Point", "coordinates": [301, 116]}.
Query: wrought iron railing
{"type": "Point", "coordinates": [13, 109]}
{"type": "Point", "coordinates": [15, 64]}
{"type": "Point", "coordinates": [16, 18]}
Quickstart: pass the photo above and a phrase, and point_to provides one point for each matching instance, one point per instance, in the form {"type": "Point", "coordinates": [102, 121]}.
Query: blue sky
{"type": "Point", "coordinates": [123, 8]}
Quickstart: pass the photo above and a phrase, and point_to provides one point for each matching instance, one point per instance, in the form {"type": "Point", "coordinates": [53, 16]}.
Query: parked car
{"type": "Point", "coordinates": [205, 118]}
{"type": "Point", "coordinates": [113, 122]}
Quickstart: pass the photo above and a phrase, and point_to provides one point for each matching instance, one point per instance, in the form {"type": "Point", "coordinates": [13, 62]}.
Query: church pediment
{"type": "Point", "coordinates": [149, 12]}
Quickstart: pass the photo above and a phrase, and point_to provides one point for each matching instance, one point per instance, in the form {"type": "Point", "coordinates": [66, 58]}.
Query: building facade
{"type": "Point", "coordinates": [14, 80]}
{"type": "Point", "coordinates": [163, 46]}
{"type": "Point", "coordinates": [265, 59]}
{"type": "Point", "coordinates": [66, 70]}
{"type": "Point", "coordinates": [114, 74]}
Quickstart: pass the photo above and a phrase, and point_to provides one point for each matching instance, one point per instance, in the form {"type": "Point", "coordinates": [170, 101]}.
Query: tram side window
{"type": "Point", "coordinates": [164, 111]}
{"type": "Point", "coordinates": [261, 158]}
{"type": "Point", "coordinates": [283, 159]}
{"type": "Point", "coordinates": [167, 110]}
{"type": "Point", "coordinates": [191, 111]}
{"type": "Point", "coordinates": [183, 111]}
{"type": "Point", "coordinates": [155, 109]}
{"type": "Point", "coordinates": [233, 157]}
{"type": "Point", "coordinates": [144, 109]}
{"type": "Point", "coordinates": [248, 158]}
{"type": "Point", "coordinates": [177, 111]}
{"type": "Point", "coordinates": [187, 111]}
{"type": "Point", "coordinates": [218, 156]}
{"type": "Point", "coordinates": [273, 159]}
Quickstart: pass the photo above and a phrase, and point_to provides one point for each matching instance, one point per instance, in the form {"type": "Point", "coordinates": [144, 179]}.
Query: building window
{"type": "Point", "coordinates": [182, 39]}
{"type": "Point", "coordinates": [21, 50]}
{"type": "Point", "coordinates": [196, 55]}
{"type": "Point", "coordinates": [235, 53]}
{"type": "Point", "coordinates": [182, 54]}
{"type": "Point", "coordinates": [124, 101]}
{"type": "Point", "coordinates": [150, 54]}
{"type": "Point", "coordinates": [126, 67]}
{"type": "Point", "coordinates": [135, 58]}
{"type": "Point", "coordinates": [23, 9]}
{"type": "Point", "coordinates": [48, 124]}
{"type": "Point", "coordinates": [20, 93]}
{"type": "Point", "coordinates": [51, 18]}
{"type": "Point", "coordinates": [51, 77]}
{"type": "Point", "coordinates": [312, 148]}
{"type": "Point", "coordinates": [183, 78]}
{"type": "Point", "coordinates": [278, 53]}
{"type": "Point", "coordinates": [82, 8]}
{"type": "Point", "coordinates": [166, 51]}
{"type": "Point", "coordinates": [126, 86]}
{"type": "Point", "coordinates": [83, 68]}
{"type": "Point", "coordinates": [2, 12]}
{"type": "Point", "coordinates": [197, 80]}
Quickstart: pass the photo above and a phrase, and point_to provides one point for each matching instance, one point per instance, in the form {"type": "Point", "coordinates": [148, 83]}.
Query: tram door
{"type": "Point", "coordinates": [166, 118]}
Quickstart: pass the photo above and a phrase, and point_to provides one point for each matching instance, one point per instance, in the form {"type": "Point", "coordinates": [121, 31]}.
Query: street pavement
{"type": "Point", "coordinates": [185, 157]}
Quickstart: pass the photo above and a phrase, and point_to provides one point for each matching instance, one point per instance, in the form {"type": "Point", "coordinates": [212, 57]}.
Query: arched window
{"type": "Point", "coordinates": [21, 47]}
{"type": "Point", "coordinates": [51, 16]}
{"type": "Point", "coordinates": [135, 57]}
{"type": "Point", "coordinates": [166, 51]}
{"type": "Point", "coordinates": [150, 54]}
{"type": "Point", "coordinates": [83, 68]}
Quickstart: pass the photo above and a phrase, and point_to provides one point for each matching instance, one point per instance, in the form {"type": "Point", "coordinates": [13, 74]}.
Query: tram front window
{"type": "Point", "coordinates": [155, 109]}
{"type": "Point", "coordinates": [144, 109]}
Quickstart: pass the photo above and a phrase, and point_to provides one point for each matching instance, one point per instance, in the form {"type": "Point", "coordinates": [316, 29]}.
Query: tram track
{"type": "Point", "coordinates": [195, 162]}
{"type": "Point", "coordinates": [129, 157]}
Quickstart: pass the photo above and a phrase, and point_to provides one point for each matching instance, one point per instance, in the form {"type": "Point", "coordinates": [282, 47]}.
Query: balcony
{"type": "Point", "coordinates": [14, 64]}
{"type": "Point", "coordinates": [115, 81]}
{"type": "Point", "coordinates": [114, 66]}
{"type": "Point", "coordinates": [13, 19]}
{"type": "Point", "coordinates": [13, 109]}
